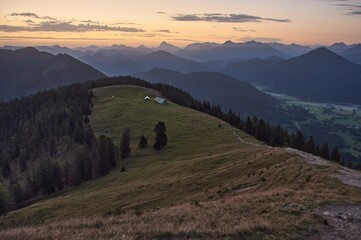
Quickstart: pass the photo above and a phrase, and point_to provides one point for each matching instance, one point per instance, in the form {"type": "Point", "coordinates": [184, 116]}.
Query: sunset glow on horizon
{"type": "Point", "coordinates": [107, 22]}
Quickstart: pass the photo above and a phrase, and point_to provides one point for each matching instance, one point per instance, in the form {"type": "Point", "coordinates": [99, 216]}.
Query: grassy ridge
{"type": "Point", "coordinates": [204, 170]}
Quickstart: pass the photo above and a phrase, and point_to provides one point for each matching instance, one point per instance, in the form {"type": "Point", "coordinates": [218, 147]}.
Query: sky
{"type": "Point", "coordinates": [76, 23]}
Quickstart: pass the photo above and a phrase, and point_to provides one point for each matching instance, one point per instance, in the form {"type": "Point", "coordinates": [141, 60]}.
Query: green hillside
{"type": "Point", "coordinates": [210, 182]}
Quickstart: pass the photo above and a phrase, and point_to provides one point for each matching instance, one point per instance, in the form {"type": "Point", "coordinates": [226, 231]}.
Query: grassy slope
{"type": "Point", "coordinates": [202, 177]}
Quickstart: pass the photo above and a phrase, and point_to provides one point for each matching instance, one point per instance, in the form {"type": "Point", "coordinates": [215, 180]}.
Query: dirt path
{"type": "Point", "coordinates": [312, 159]}
{"type": "Point", "coordinates": [345, 175]}
{"type": "Point", "coordinates": [249, 143]}
{"type": "Point", "coordinates": [349, 177]}
{"type": "Point", "coordinates": [342, 221]}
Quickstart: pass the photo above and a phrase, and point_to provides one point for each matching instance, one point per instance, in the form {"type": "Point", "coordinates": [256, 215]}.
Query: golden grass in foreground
{"type": "Point", "coordinates": [205, 184]}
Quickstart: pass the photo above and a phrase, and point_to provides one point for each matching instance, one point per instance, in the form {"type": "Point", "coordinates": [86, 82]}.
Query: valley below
{"type": "Point", "coordinates": [338, 123]}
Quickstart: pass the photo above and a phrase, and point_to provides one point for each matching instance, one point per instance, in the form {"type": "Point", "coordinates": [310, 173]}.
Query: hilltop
{"type": "Point", "coordinates": [319, 75]}
{"type": "Point", "coordinates": [211, 181]}
{"type": "Point", "coordinates": [26, 71]}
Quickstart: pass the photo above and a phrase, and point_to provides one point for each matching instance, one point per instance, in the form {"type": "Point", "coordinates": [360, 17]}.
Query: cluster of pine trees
{"type": "Point", "coordinates": [161, 140]}
{"type": "Point", "coordinates": [46, 143]}
{"type": "Point", "coordinates": [278, 137]}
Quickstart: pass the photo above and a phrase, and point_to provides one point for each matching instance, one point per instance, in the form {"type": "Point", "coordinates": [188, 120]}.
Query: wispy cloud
{"type": "Point", "coordinates": [260, 39]}
{"type": "Point", "coordinates": [183, 39]}
{"type": "Point", "coordinates": [56, 26]}
{"type": "Point", "coordinates": [224, 18]}
{"type": "Point", "coordinates": [238, 29]}
{"type": "Point", "coordinates": [160, 12]}
{"type": "Point", "coordinates": [31, 15]}
{"type": "Point", "coordinates": [163, 31]}
{"type": "Point", "coordinates": [54, 38]}
{"type": "Point", "coordinates": [37, 23]}
{"type": "Point", "coordinates": [351, 7]}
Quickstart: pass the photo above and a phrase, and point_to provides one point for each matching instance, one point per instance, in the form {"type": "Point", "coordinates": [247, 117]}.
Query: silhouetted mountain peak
{"type": "Point", "coordinates": [322, 55]}
{"type": "Point", "coordinates": [356, 47]}
{"type": "Point", "coordinates": [229, 42]}
{"type": "Point", "coordinates": [32, 70]}
{"type": "Point", "coordinates": [340, 44]}
{"type": "Point", "coordinates": [27, 50]}
{"type": "Point", "coordinates": [161, 53]}
{"type": "Point", "coordinates": [164, 44]}
{"type": "Point", "coordinates": [295, 45]}
{"type": "Point", "coordinates": [254, 44]}
{"type": "Point", "coordinates": [167, 47]}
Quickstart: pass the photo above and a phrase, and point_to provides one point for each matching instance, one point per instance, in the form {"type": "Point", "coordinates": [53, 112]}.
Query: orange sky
{"type": "Point", "coordinates": [107, 22]}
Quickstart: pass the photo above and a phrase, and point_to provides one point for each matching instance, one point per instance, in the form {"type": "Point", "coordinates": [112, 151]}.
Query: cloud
{"type": "Point", "coordinates": [355, 13]}
{"type": "Point", "coordinates": [31, 15]}
{"type": "Point", "coordinates": [260, 39]}
{"type": "Point", "coordinates": [51, 24]}
{"type": "Point", "coordinates": [125, 23]}
{"type": "Point", "coordinates": [53, 38]}
{"type": "Point", "coordinates": [27, 14]}
{"type": "Point", "coordinates": [160, 12]}
{"type": "Point", "coordinates": [57, 26]}
{"type": "Point", "coordinates": [164, 31]}
{"type": "Point", "coordinates": [353, 9]}
{"type": "Point", "coordinates": [350, 6]}
{"type": "Point", "coordinates": [183, 39]}
{"type": "Point", "coordinates": [224, 18]}
{"type": "Point", "coordinates": [86, 21]}
{"type": "Point", "coordinates": [238, 29]}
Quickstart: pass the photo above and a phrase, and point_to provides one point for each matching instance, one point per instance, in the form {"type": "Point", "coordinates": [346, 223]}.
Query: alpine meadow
{"type": "Point", "coordinates": [180, 120]}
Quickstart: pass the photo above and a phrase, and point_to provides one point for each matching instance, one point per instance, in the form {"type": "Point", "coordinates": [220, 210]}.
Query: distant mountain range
{"type": "Point", "coordinates": [120, 64]}
{"type": "Point", "coordinates": [25, 71]}
{"type": "Point", "coordinates": [208, 51]}
{"type": "Point", "coordinates": [292, 69]}
{"type": "Point", "coordinates": [319, 75]}
{"type": "Point", "coordinates": [231, 50]}
{"type": "Point", "coordinates": [221, 89]}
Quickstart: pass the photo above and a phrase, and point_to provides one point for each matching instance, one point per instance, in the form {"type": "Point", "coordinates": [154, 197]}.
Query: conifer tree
{"type": "Point", "coordinates": [324, 152]}
{"type": "Point", "coordinates": [143, 142]}
{"type": "Point", "coordinates": [161, 138]}
{"type": "Point", "coordinates": [335, 155]}
{"type": "Point", "coordinates": [299, 140]}
{"type": "Point", "coordinates": [248, 126]}
{"type": "Point", "coordinates": [103, 163]}
{"type": "Point", "coordinates": [125, 144]}
{"type": "Point", "coordinates": [310, 145]}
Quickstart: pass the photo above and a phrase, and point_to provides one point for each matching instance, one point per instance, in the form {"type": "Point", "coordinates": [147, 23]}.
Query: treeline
{"type": "Point", "coordinates": [278, 137]}
{"type": "Point", "coordinates": [46, 143]}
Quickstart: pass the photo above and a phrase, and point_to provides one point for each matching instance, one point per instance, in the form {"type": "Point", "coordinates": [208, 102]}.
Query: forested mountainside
{"type": "Point", "coordinates": [320, 75]}
{"type": "Point", "coordinates": [26, 71]}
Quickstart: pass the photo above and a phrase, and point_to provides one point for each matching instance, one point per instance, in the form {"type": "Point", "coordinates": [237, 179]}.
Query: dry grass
{"type": "Point", "coordinates": [205, 220]}
{"type": "Point", "coordinates": [205, 185]}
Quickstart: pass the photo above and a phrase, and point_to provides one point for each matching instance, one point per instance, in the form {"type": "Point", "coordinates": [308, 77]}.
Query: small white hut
{"type": "Point", "coordinates": [147, 98]}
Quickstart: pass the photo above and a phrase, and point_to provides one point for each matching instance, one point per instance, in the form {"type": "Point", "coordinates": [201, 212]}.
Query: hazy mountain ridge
{"type": "Point", "coordinates": [221, 89]}
{"type": "Point", "coordinates": [320, 75]}
{"type": "Point", "coordinates": [120, 64]}
{"type": "Point", "coordinates": [28, 70]}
